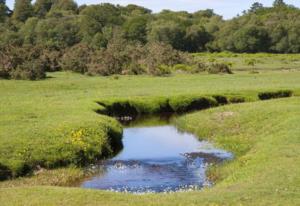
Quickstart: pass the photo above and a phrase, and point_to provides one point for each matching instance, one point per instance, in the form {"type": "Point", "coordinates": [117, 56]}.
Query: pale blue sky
{"type": "Point", "coordinates": [226, 8]}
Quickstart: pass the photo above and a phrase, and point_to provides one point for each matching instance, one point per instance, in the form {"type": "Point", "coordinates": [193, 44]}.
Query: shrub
{"type": "Point", "coordinates": [51, 60]}
{"type": "Point", "coordinates": [31, 70]}
{"type": "Point", "coordinates": [273, 95]}
{"type": "Point", "coordinates": [21, 63]}
{"type": "Point", "coordinates": [77, 58]}
{"type": "Point", "coordinates": [217, 68]}
{"type": "Point", "coordinates": [161, 54]}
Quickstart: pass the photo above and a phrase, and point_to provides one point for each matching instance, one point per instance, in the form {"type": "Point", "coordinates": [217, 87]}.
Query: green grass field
{"type": "Point", "coordinates": [261, 61]}
{"type": "Point", "coordinates": [45, 122]}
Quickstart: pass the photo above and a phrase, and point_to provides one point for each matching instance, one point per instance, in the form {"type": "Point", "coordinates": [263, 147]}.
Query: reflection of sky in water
{"type": "Point", "coordinates": [156, 142]}
{"type": "Point", "coordinates": [152, 160]}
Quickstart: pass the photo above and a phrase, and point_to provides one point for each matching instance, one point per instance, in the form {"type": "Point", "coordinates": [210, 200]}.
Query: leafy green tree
{"type": "Point", "coordinates": [58, 33]}
{"type": "Point", "coordinates": [251, 39]}
{"type": "Point", "coordinates": [255, 7]}
{"type": "Point", "coordinates": [134, 10]}
{"type": "Point", "coordinates": [168, 32]}
{"type": "Point", "coordinates": [135, 29]}
{"type": "Point", "coordinates": [28, 30]}
{"type": "Point", "coordinates": [196, 38]}
{"type": "Point", "coordinates": [67, 5]}
{"type": "Point", "coordinates": [95, 17]}
{"type": "Point", "coordinates": [42, 7]}
{"type": "Point", "coordinates": [22, 10]}
{"type": "Point", "coordinates": [3, 11]}
{"type": "Point", "coordinates": [279, 3]}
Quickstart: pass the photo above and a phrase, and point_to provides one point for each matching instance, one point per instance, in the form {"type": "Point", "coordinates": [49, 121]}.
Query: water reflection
{"type": "Point", "coordinates": [156, 159]}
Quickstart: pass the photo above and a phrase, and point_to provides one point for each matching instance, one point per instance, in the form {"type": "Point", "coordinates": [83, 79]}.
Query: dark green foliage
{"type": "Point", "coordinates": [279, 3]}
{"type": "Point", "coordinates": [67, 5]}
{"type": "Point", "coordinates": [251, 39]}
{"type": "Point", "coordinates": [58, 33]}
{"type": "Point", "coordinates": [22, 10]}
{"type": "Point", "coordinates": [3, 11]}
{"type": "Point", "coordinates": [135, 29]}
{"type": "Point", "coordinates": [274, 95]}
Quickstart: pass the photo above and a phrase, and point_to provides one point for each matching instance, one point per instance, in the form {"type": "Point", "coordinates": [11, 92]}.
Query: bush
{"type": "Point", "coordinates": [31, 70]}
{"type": "Point", "coordinates": [21, 63]}
{"type": "Point", "coordinates": [273, 95]}
{"type": "Point", "coordinates": [217, 68]}
{"type": "Point", "coordinates": [77, 58]}
{"type": "Point", "coordinates": [51, 60]}
{"type": "Point", "coordinates": [159, 54]}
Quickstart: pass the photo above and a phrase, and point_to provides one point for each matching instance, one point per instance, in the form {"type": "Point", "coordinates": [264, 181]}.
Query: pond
{"type": "Point", "coordinates": [156, 157]}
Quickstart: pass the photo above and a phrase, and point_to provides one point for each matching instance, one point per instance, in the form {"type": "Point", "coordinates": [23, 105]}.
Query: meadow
{"type": "Point", "coordinates": [258, 62]}
{"type": "Point", "coordinates": [49, 124]}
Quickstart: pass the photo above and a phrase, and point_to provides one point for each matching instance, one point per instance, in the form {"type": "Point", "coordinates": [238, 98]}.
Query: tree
{"type": "Point", "coordinates": [28, 30]}
{"type": "Point", "coordinates": [22, 10]}
{"type": "Point", "coordinates": [58, 33]}
{"type": "Point", "coordinates": [94, 18]}
{"type": "Point", "coordinates": [135, 29]}
{"type": "Point", "coordinates": [168, 32]}
{"type": "Point", "coordinates": [251, 39]}
{"type": "Point", "coordinates": [196, 38]}
{"type": "Point", "coordinates": [42, 7]}
{"type": "Point", "coordinates": [255, 7]}
{"type": "Point", "coordinates": [65, 5]}
{"type": "Point", "coordinates": [3, 10]}
{"type": "Point", "coordinates": [279, 3]}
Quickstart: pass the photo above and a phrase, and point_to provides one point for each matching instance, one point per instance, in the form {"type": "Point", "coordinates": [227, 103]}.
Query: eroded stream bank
{"type": "Point", "coordinates": [156, 157]}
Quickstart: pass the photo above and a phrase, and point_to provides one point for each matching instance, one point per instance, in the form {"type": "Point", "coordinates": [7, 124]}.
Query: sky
{"type": "Point", "coordinates": [226, 8]}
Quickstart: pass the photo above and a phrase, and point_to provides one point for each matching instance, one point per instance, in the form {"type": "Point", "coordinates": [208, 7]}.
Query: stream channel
{"type": "Point", "coordinates": [156, 157]}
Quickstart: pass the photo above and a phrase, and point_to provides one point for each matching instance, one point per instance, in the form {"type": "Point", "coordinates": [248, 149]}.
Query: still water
{"type": "Point", "coordinates": [156, 158]}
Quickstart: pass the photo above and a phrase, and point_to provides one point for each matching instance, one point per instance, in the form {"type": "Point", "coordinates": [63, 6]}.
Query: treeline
{"type": "Point", "coordinates": [105, 39]}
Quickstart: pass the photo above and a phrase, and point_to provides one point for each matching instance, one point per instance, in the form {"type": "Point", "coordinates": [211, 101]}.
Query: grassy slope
{"type": "Point", "coordinates": [265, 172]}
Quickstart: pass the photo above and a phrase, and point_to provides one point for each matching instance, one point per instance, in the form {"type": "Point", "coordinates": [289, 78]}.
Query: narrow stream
{"type": "Point", "coordinates": [156, 158]}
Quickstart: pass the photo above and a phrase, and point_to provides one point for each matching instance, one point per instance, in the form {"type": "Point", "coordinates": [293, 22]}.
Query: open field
{"type": "Point", "coordinates": [259, 62]}
{"type": "Point", "coordinates": [45, 122]}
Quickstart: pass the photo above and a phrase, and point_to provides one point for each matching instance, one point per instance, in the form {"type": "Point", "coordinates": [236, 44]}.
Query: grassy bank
{"type": "Point", "coordinates": [52, 123]}
{"type": "Point", "coordinates": [263, 135]}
